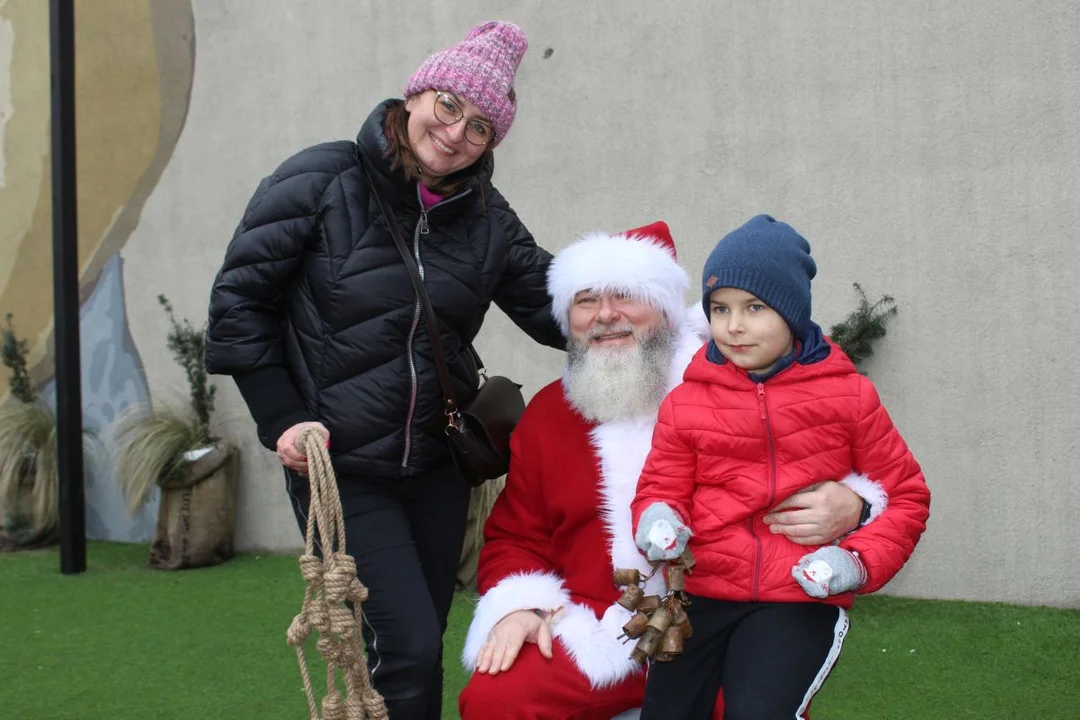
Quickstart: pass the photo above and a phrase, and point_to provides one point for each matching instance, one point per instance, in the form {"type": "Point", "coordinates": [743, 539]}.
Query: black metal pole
{"type": "Point", "coordinates": [66, 291]}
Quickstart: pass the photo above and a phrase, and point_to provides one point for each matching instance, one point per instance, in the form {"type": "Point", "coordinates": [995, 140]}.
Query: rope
{"type": "Point", "coordinates": [331, 582]}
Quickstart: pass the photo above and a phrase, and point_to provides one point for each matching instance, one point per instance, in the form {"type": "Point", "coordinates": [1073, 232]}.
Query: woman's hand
{"type": "Point", "coordinates": [817, 515]}
{"type": "Point", "coordinates": [290, 455]}
{"type": "Point", "coordinates": [506, 638]}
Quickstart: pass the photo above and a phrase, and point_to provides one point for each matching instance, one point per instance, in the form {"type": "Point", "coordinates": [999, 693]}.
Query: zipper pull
{"type": "Point", "coordinates": [424, 228]}
{"type": "Point", "coordinates": [761, 399]}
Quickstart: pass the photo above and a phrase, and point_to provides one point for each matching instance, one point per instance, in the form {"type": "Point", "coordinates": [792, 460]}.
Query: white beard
{"type": "Point", "coordinates": [608, 384]}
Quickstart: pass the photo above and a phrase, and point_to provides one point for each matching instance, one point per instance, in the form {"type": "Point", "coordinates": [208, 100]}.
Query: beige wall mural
{"type": "Point", "coordinates": [133, 78]}
{"type": "Point", "coordinates": [133, 75]}
{"type": "Point", "coordinates": [131, 96]}
{"type": "Point", "coordinates": [7, 45]}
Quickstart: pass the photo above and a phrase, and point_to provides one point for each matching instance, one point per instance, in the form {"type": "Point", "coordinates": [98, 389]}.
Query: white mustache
{"type": "Point", "coordinates": [602, 330]}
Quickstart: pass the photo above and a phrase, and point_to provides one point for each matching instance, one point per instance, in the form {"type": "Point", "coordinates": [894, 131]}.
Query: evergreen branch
{"type": "Point", "coordinates": [863, 326]}
{"type": "Point", "coordinates": [187, 346]}
{"type": "Point", "coordinates": [13, 352]}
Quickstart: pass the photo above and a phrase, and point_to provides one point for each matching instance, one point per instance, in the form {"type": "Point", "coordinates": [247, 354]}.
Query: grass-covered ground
{"type": "Point", "coordinates": [121, 641]}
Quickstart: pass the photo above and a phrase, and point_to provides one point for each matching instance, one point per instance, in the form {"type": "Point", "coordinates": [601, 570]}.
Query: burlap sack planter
{"type": "Point", "coordinates": [197, 516]}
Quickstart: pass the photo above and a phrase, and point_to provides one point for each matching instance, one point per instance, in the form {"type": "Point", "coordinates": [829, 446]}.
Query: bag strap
{"type": "Point", "coordinates": [480, 369]}
{"type": "Point", "coordinates": [450, 408]}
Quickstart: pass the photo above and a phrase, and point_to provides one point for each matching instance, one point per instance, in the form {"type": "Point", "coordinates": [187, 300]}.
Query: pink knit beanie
{"type": "Point", "coordinates": [480, 69]}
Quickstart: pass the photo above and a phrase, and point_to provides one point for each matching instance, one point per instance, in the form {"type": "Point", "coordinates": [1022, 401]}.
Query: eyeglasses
{"type": "Point", "coordinates": [449, 112]}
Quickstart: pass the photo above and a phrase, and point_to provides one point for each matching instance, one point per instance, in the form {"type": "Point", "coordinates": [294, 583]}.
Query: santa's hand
{"type": "Point", "coordinates": [661, 535]}
{"type": "Point", "coordinates": [817, 515]}
{"type": "Point", "coordinates": [509, 634]}
{"type": "Point", "coordinates": [829, 571]}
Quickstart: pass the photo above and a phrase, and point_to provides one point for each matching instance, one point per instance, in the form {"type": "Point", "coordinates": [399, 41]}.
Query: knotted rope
{"type": "Point", "coordinates": [331, 581]}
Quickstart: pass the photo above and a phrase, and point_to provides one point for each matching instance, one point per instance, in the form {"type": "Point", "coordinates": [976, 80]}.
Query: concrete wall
{"type": "Point", "coordinates": [928, 151]}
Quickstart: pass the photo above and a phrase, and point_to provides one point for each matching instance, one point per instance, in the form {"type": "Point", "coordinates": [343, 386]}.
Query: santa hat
{"type": "Point", "coordinates": [640, 263]}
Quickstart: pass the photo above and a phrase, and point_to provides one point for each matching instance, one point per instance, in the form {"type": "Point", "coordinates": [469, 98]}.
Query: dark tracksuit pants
{"type": "Point", "coordinates": [406, 535]}
{"type": "Point", "coordinates": [769, 658]}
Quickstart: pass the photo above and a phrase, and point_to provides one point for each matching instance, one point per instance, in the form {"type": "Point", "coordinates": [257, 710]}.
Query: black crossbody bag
{"type": "Point", "coordinates": [479, 435]}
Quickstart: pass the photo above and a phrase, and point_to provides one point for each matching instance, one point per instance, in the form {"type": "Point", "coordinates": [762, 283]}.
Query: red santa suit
{"type": "Point", "coordinates": [563, 522]}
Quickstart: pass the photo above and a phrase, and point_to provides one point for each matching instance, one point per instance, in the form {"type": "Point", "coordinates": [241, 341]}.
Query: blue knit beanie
{"type": "Point", "coordinates": [769, 260]}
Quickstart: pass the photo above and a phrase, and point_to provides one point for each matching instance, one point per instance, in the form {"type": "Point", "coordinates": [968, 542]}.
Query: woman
{"type": "Point", "coordinates": [315, 316]}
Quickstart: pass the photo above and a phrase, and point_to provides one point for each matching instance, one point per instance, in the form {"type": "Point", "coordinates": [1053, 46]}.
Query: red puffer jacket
{"type": "Point", "coordinates": [726, 450]}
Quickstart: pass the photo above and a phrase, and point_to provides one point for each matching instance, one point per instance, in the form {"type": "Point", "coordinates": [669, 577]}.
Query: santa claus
{"type": "Point", "coordinates": [545, 639]}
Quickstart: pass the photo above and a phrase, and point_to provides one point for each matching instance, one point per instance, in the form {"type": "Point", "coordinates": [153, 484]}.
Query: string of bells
{"type": "Point", "coordinates": [659, 624]}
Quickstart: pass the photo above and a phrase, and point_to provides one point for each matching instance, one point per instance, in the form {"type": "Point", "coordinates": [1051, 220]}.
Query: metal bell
{"type": "Point", "coordinates": [649, 603]}
{"type": "Point", "coordinates": [631, 597]}
{"type": "Point", "coordinates": [679, 618]}
{"type": "Point", "coordinates": [661, 619]}
{"type": "Point", "coordinates": [676, 581]}
{"type": "Point", "coordinates": [626, 576]}
{"type": "Point", "coordinates": [678, 614]}
{"type": "Point", "coordinates": [687, 559]}
{"type": "Point", "coordinates": [636, 626]}
{"type": "Point", "coordinates": [646, 644]}
{"type": "Point", "coordinates": [672, 643]}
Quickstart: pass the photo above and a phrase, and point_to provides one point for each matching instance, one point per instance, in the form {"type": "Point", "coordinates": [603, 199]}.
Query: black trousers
{"type": "Point", "coordinates": [406, 535]}
{"type": "Point", "coordinates": [769, 658]}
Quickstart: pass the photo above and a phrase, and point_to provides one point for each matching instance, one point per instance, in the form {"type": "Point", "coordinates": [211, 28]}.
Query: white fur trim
{"type": "Point", "coordinates": [687, 345]}
{"type": "Point", "coordinates": [698, 322]}
{"type": "Point", "coordinates": [519, 591]}
{"type": "Point", "coordinates": [638, 266]}
{"type": "Point", "coordinates": [869, 490]}
{"type": "Point", "coordinates": [622, 448]}
{"type": "Point", "coordinates": [593, 646]}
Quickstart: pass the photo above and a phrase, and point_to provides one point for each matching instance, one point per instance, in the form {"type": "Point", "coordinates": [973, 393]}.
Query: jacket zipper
{"type": "Point", "coordinates": [763, 409]}
{"type": "Point", "coordinates": [422, 228]}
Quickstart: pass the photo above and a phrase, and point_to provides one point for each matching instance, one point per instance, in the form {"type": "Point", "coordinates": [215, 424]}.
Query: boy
{"type": "Point", "coordinates": [767, 408]}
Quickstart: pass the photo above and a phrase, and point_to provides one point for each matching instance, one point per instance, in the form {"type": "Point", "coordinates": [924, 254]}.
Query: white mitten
{"type": "Point", "coordinates": [830, 570]}
{"type": "Point", "coordinates": [661, 535]}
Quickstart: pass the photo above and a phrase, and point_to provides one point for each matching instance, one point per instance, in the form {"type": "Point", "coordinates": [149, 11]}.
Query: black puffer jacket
{"type": "Point", "coordinates": [314, 314]}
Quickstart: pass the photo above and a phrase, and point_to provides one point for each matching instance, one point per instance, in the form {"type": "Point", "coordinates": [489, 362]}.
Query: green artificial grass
{"type": "Point", "coordinates": [121, 641]}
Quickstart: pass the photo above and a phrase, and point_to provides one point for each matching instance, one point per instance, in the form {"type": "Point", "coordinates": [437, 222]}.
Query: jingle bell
{"type": "Point", "coordinates": [636, 626]}
{"type": "Point", "coordinates": [626, 576]}
{"type": "Point", "coordinates": [631, 597]}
